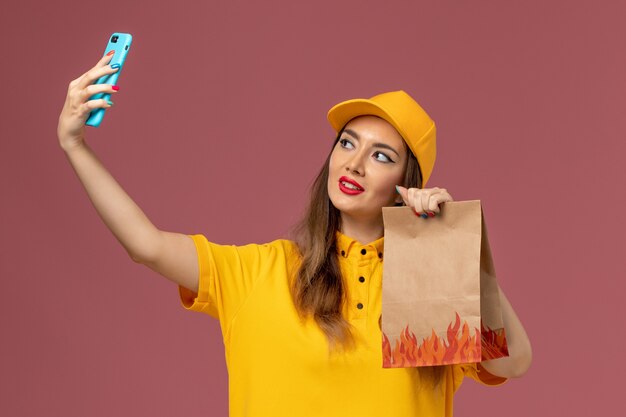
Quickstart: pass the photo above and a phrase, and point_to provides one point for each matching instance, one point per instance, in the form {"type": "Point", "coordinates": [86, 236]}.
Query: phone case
{"type": "Point", "coordinates": [120, 42]}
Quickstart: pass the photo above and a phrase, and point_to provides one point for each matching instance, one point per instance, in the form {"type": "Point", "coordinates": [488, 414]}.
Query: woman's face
{"type": "Point", "coordinates": [371, 153]}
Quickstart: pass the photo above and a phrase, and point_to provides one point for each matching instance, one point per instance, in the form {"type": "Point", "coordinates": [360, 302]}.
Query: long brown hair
{"type": "Point", "coordinates": [317, 289]}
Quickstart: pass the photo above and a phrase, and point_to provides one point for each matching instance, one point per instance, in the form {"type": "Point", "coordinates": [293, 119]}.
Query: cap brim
{"type": "Point", "coordinates": [343, 112]}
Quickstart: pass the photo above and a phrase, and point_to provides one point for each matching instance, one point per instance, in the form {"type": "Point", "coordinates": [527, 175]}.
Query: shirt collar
{"type": "Point", "coordinates": [347, 246]}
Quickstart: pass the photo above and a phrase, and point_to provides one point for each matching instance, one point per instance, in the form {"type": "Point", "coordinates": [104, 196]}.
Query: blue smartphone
{"type": "Point", "coordinates": [120, 42]}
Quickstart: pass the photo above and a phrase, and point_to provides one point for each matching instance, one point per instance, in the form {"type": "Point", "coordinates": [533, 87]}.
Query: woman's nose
{"type": "Point", "coordinates": [355, 164]}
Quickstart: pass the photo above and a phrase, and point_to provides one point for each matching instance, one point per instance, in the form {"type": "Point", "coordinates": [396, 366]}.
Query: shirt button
{"type": "Point", "coordinates": [363, 251]}
{"type": "Point", "coordinates": [343, 253]}
{"type": "Point", "coordinates": [359, 306]}
{"type": "Point", "coordinates": [361, 279]}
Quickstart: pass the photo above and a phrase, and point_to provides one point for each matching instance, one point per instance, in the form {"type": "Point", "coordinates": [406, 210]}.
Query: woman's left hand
{"type": "Point", "coordinates": [424, 201]}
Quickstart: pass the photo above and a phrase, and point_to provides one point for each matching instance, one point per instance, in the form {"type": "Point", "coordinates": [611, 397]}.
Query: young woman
{"type": "Point", "coordinates": [300, 318]}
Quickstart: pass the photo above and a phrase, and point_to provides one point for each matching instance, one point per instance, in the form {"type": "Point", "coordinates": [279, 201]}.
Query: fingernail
{"type": "Point", "coordinates": [431, 214]}
{"type": "Point", "coordinates": [115, 66]}
{"type": "Point", "coordinates": [111, 52]}
{"type": "Point", "coordinates": [109, 102]}
{"type": "Point", "coordinates": [397, 191]}
{"type": "Point", "coordinates": [424, 215]}
{"type": "Point", "coordinates": [115, 87]}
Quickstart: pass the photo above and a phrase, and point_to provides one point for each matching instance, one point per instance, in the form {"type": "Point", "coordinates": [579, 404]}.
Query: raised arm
{"type": "Point", "coordinates": [172, 255]}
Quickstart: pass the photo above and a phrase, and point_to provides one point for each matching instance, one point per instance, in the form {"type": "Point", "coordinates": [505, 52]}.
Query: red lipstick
{"type": "Point", "coordinates": [347, 190]}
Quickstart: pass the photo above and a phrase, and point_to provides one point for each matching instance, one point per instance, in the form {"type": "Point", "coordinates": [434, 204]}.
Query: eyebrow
{"type": "Point", "coordinates": [377, 144]}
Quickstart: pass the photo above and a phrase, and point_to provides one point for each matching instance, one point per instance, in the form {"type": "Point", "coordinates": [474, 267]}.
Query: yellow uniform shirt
{"type": "Point", "coordinates": [280, 367]}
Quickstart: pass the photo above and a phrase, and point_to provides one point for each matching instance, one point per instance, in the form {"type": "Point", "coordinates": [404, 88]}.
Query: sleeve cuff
{"type": "Point", "coordinates": [200, 301]}
{"type": "Point", "coordinates": [484, 377]}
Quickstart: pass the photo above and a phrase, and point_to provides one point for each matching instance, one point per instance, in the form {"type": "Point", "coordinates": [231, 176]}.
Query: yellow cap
{"type": "Point", "coordinates": [398, 108]}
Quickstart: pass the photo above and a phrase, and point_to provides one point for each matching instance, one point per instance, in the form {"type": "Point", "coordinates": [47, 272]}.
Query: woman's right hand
{"type": "Point", "coordinates": [71, 128]}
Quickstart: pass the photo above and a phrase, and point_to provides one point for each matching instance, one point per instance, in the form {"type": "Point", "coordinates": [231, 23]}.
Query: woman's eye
{"type": "Point", "coordinates": [386, 158]}
{"type": "Point", "coordinates": [344, 142]}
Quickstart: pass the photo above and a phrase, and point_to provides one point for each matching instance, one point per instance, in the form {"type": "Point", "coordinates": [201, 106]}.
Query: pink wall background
{"type": "Point", "coordinates": [219, 128]}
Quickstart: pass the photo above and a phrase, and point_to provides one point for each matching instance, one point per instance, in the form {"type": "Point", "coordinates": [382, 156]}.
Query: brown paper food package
{"type": "Point", "coordinates": [440, 301]}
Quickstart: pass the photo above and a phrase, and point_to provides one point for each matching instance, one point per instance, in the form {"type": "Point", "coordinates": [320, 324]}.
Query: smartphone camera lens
{"type": "Point", "coordinates": [114, 39]}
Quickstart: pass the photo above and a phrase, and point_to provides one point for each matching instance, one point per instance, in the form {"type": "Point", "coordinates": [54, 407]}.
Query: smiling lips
{"type": "Point", "coordinates": [350, 187]}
